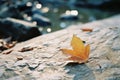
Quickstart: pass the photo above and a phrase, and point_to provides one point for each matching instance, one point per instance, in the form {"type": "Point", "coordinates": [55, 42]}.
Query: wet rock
{"type": "Point", "coordinates": [111, 5]}
{"type": "Point", "coordinates": [24, 7]}
{"type": "Point", "coordinates": [41, 21]}
{"type": "Point", "coordinates": [19, 30]}
{"type": "Point", "coordinates": [37, 11]}
{"type": "Point", "coordinates": [10, 11]}
{"type": "Point", "coordinates": [2, 1]}
{"type": "Point", "coordinates": [68, 17]}
{"type": "Point", "coordinates": [53, 2]}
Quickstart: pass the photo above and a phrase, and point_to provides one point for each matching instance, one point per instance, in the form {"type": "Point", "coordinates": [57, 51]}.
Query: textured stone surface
{"type": "Point", "coordinates": [47, 62]}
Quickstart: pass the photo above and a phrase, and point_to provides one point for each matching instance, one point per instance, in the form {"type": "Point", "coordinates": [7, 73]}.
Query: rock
{"type": "Point", "coordinates": [68, 17]}
{"type": "Point", "coordinates": [2, 1]}
{"type": "Point", "coordinates": [15, 78]}
{"type": "Point", "coordinates": [19, 30]}
{"type": "Point", "coordinates": [111, 5]}
{"type": "Point", "coordinates": [116, 44]}
{"type": "Point", "coordinates": [21, 63]}
{"type": "Point", "coordinates": [8, 75]}
{"type": "Point", "coordinates": [88, 3]}
{"type": "Point", "coordinates": [53, 2]}
{"type": "Point", "coordinates": [33, 64]}
{"type": "Point", "coordinates": [48, 60]}
{"type": "Point", "coordinates": [41, 21]}
{"type": "Point", "coordinates": [37, 11]}
{"type": "Point", "coordinates": [1, 72]}
{"type": "Point", "coordinates": [79, 70]}
{"type": "Point", "coordinates": [10, 11]}
{"type": "Point", "coordinates": [104, 64]}
{"type": "Point", "coordinates": [24, 7]}
{"type": "Point", "coordinates": [41, 67]}
{"type": "Point", "coordinates": [113, 78]}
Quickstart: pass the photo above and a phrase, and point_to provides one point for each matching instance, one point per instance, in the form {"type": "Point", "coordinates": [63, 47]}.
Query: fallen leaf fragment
{"type": "Point", "coordinates": [10, 45]}
{"type": "Point", "coordinates": [5, 46]}
{"type": "Point", "coordinates": [80, 52]}
{"type": "Point", "coordinates": [8, 52]}
{"type": "Point", "coordinates": [24, 49]}
{"type": "Point", "coordinates": [87, 29]}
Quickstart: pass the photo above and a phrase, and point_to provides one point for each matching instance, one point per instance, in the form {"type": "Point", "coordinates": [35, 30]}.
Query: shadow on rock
{"type": "Point", "coordinates": [80, 71]}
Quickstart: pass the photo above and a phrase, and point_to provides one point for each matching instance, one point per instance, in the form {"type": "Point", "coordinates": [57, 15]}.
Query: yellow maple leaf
{"type": "Point", "coordinates": [80, 52]}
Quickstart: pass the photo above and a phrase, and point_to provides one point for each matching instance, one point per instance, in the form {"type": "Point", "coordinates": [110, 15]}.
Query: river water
{"type": "Point", "coordinates": [84, 14]}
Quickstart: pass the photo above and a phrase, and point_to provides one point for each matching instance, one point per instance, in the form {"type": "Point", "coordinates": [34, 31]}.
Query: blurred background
{"type": "Point", "coordinates": [21, 20]}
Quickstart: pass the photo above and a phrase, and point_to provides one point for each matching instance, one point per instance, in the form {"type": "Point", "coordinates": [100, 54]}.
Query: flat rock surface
{"type": "Point", "coordinates": [43, 59]}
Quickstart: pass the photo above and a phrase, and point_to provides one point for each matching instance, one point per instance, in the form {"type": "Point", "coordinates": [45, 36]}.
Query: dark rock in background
{"type": "Point", "coordinates": [23, 7]}
{"type": "Point", "coordinates": [37, 11]}
{"type": "Point", "coordinates": [110, 5]}
{"type": "Point", "coordinates": [68, 17]}
{"type": "Point", "coordinates": [2, 1]}
{"type": "Point", "coordinates": [10, 11]}
{"type": "Point", "coordinates": [113, 5]}
{"type": "Point", "coordinates": [41, 20]}
{"type": "Point", "coordinates": [53, 2]}
{"type": "Point", "coordinates": [18, 29]}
